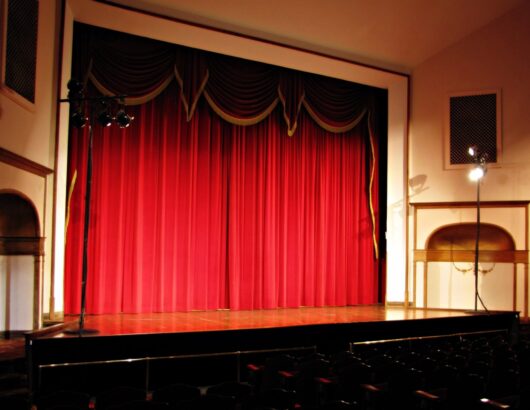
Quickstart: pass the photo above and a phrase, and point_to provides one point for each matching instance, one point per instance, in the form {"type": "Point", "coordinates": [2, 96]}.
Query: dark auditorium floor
{"type": "Point", "coordinates": [12, 347]}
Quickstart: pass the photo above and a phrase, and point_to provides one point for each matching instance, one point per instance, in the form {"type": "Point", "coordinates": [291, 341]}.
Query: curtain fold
{"type": "Point", "coordinates": [291, 93]}
{"type": "Point", "coordinates": [191, 72]}
{"type": "Point", "coordinates": [206, 203]}
{"type": "Point", "coordinates": [241, 92]}
{"type": "Point", "coordinates": [140, 67]}
{"type": "Point", "coordinates": [337, 106]}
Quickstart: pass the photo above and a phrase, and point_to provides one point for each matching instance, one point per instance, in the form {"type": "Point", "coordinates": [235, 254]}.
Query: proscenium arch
{"type": "Point", "coordinates": [205, 38]}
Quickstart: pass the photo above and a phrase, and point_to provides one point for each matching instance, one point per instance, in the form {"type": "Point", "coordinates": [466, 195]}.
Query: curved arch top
{"type": "Point", "coordinates": [19, 226]}
{"type": "Point", "coordinates": [462, 236]}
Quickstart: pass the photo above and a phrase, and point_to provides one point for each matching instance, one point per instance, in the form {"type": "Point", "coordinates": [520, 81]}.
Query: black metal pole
{"type": "Point", "coordinates": [86, 227]}
{"type": "Point", "coordinates": [477, 240]}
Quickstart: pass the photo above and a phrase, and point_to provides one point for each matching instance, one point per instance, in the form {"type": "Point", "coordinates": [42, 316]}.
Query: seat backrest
{"type": "Point", "coordinates": [176, 393]}
{"type": "Point", "coordinates": [118, 395]}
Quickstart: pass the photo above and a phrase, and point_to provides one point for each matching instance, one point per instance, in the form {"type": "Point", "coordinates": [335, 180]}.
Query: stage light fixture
{"type": "Point", "coordinates": [123, 119]}
{"type": "Point", "coordinates": [75, 90]}
{"type": "Point", "coordinates": [479, 159]}
{"type": "Point", "coordinates": [477, 173]}
{"type": "Point", "coordinates": [104, 118]}
{"type": "Point", "coordinates": [78, 119]}
{"type": "Point", "coordinates": [472, 151]}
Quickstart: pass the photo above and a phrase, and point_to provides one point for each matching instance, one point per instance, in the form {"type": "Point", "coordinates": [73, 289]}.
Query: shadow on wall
{"type": "Point", "coordinates": [417, 184]}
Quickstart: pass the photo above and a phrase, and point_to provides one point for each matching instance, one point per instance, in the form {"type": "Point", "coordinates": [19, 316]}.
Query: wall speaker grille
{"type": "Point", "coordinates": [21, 47]}
{"type": "Point", "coordinates": [473, 121]}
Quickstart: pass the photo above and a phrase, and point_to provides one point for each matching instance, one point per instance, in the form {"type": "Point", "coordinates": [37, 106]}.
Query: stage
{"type": "Point", "coordinates": [151, 349]}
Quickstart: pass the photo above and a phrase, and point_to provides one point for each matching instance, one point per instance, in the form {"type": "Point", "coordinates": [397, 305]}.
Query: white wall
{"type": "Point", "coordinates": [16, 274]}
{"type": "Point", "coordinates": [495, 57]}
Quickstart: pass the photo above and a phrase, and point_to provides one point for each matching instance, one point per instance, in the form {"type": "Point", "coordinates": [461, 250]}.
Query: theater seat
{"type": "Point", "coordinates": [177, 393]}
{"type": "Point", "coordinates": [118, 396]}
{"type": "Point", "coordinates": [279, 399]}
{"type": "Point", "coordinates": [242, 393]}
{"type": "Point", "coordinates": [72, 398]}
{"type": "Point", "coordinates": [141, 405]}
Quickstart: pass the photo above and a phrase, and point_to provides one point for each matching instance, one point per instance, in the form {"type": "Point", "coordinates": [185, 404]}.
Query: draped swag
{"type": "Point", "coordinates": [239, 185]}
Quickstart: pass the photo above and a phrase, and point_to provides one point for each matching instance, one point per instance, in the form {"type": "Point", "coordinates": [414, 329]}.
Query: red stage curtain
{"type": "Point", "coordinates": [208, 215]}
{"type": "Point", "coordinates": [299, 224]}
{"type": "Point", "coordinates": [262, 194]}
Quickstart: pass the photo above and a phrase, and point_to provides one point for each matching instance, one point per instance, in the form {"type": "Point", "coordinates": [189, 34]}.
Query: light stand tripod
{"type": "Point", "coordinates": [476, 174]}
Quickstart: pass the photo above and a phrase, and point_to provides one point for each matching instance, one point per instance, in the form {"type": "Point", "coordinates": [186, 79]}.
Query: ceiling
{"type": "Point", "coordinates": [392, 34]}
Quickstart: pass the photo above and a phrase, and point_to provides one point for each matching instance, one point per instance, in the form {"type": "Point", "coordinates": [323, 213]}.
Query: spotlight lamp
{"type": "Point", "coordinates": [76, 99]}
{"type": "Point", "coordinates": [472, 150]}
{"type": "Point", "coordinates": [75, 90]}
{"type": "Point", "coordinates": [100, 108]}
{"type": "Point", "coordinates": [477, 173]}
{"type": "Point", "coordinates": [123, 119]}
{"type": "Point", "coordinates": [479, 160]}
{"type": "Point", "coordinates": [79, 120]}
{"type": "Point", "coordinates": [104, 117]}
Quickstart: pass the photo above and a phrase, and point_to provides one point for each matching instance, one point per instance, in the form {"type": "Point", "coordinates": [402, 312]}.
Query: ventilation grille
{"type": "Point", "coordinates": [473, 121]}
{"type": "Point", "coordinates": [21, 47]}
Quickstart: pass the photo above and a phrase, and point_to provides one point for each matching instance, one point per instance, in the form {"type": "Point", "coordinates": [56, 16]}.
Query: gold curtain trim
{"type": "Point", "coordinates": [131, 100]}
{"type": "Point", "coordinates": [240, 121]}
{"type": "Point", "coordinates": [191, 111]}
{"type": "Point", "coordinates": [372, 173]}
{"type": "Point", "coordinates": [291, 128]}
{"type": "Point", "coordinates": [332, 128]}
{"type": "Point", "coordinates": [70, 193]}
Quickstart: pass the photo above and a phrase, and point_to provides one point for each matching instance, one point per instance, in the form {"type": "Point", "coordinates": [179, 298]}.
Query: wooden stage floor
{"type": "Point", "coordinates": [225, 320]}
{"type": "Point", "coordinates": [133, 335]}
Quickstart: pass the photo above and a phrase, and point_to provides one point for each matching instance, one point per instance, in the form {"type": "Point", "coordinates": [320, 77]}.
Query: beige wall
{"type": "Point", "coordinates": [29, 131]}
{"type": "Point", "coordinates": [495, 57]}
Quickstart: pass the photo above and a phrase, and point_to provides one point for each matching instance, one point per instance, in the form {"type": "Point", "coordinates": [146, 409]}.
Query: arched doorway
{"type": "Point", "coordinates": [21, 250]}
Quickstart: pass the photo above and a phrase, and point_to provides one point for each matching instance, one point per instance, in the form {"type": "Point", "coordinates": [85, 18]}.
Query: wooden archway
{"type": "Point", "coordinates": [20, 235]}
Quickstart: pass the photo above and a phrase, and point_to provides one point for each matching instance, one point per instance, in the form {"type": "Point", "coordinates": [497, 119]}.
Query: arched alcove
{"type": "Point", "coordinates": [21, 250]}
{"type": "Point", "coordinates": [457, 243]}
{"type": "Point", "coordinates": [458, 237]}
